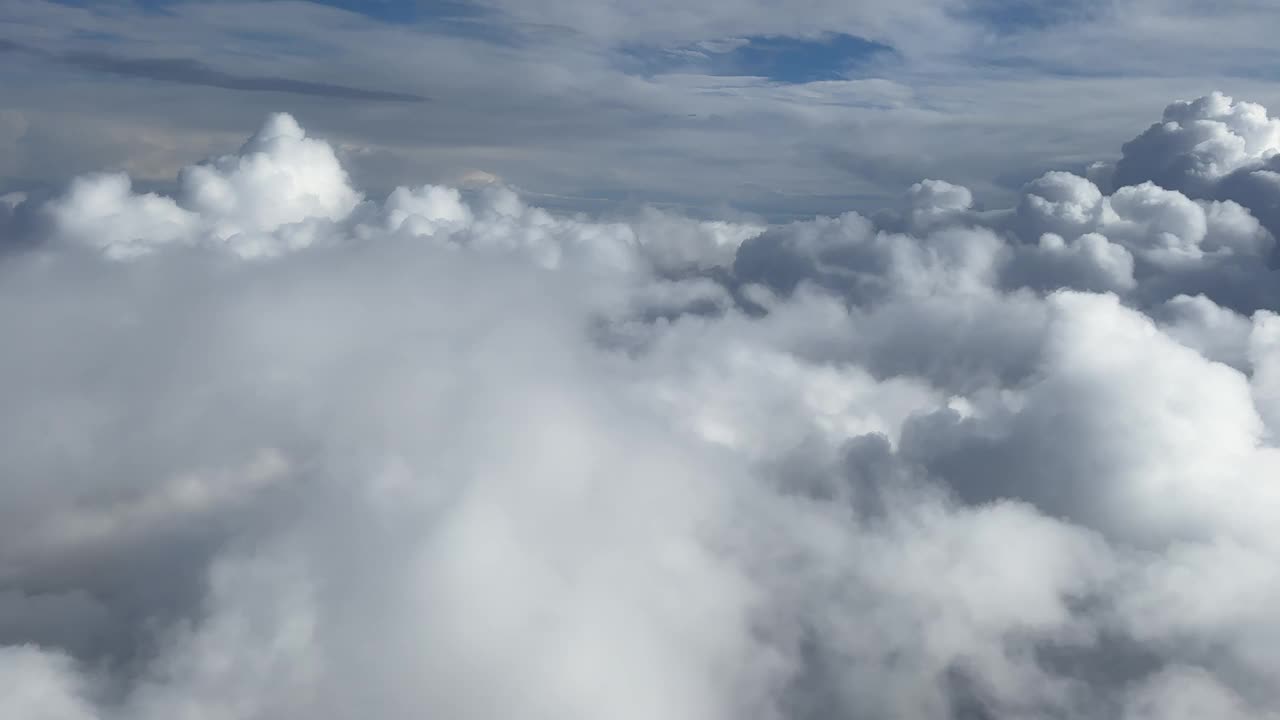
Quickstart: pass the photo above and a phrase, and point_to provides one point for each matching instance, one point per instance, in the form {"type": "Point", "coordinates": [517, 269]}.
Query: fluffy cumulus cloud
{"type": "Point", "coordinates": [1199, 142]}
{"type": "Point", "coordinates": [1213, 147]}
{"type": "Point", "coordinates": [279, 193]}
{"type": "Point", "coordinates": [277, 450]}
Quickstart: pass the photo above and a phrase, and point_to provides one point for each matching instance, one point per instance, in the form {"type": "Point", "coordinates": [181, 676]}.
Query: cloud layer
{"type": "Point", "coordinates": [274, 449]}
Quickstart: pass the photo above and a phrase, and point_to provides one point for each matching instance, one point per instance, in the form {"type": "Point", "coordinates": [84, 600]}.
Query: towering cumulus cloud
{"type": "Point", "coordinates": [275, 451]}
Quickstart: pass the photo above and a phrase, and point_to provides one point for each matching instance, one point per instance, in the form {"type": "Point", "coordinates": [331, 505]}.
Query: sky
{"type": "Point", "coordinates": [688, 360]}
{"type": "Point", "coordinates": [779, 110]}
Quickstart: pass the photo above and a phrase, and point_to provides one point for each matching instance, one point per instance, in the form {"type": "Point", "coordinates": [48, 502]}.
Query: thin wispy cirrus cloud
{"type": "Point", "coordinates": [686, 360]}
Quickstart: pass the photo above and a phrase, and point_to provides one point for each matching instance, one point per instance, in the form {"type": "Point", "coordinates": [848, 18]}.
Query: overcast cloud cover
{"type": "Point", "coordinates": [282, 442]}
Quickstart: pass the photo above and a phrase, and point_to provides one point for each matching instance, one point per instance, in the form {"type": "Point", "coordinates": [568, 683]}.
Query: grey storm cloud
{"type": "Point", "coordinates": [274, 449]}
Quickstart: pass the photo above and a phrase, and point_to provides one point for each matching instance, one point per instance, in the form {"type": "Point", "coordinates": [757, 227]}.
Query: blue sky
{"type": "Point", "coordinates": [759, 107]}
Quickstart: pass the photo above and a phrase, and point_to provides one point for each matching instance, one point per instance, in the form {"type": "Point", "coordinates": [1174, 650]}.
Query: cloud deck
{"type": "Point", "coordinates": [274, 449]}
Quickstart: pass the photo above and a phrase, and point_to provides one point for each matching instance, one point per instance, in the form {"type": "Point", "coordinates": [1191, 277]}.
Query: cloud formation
{"type": "Point", "coordinates": [193, 72]}
{"type": "Point", "coordinates": [274, 449]}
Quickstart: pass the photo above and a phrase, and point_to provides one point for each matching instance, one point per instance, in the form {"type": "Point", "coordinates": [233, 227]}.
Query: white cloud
{"type": "Point", "coordinates": [280, 177]}
{"type": "Point", "coordinates": [1090, 262]}
{"type": "Point", "coordinates": [1061, 203]}
{"type": "Point", "coordinates": [102, 211]}
{"type": "Point", "coordinates": [1199, 142]}
{"type": "Point", "coordinates": [1216, 332]}
{"type": "Point", "coordinates": [1185, 693]}
{"type": "Point", "coordinates": [278, 451]}
{"type": "Point", "coordinates": [42, 686]}
{"type": "Point", "coordinates": [270, 197]}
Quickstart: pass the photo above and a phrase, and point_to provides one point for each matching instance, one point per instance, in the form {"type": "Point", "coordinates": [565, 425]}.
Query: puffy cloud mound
{"type": "Point", "coordinates": [1214, 148]}
{"type": "Point", "coordinates": [278, 193]}
{"type": "Point", "coordinates": [280, 177]}
{"type": "Point", "coordinates": [273, 450]}
{"type": "Point", "coordinates": [1199, 142]}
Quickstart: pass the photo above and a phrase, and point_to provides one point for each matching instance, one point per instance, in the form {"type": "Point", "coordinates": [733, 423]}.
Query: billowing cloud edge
{"type": "Point", "coordinates": [277, 450]}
